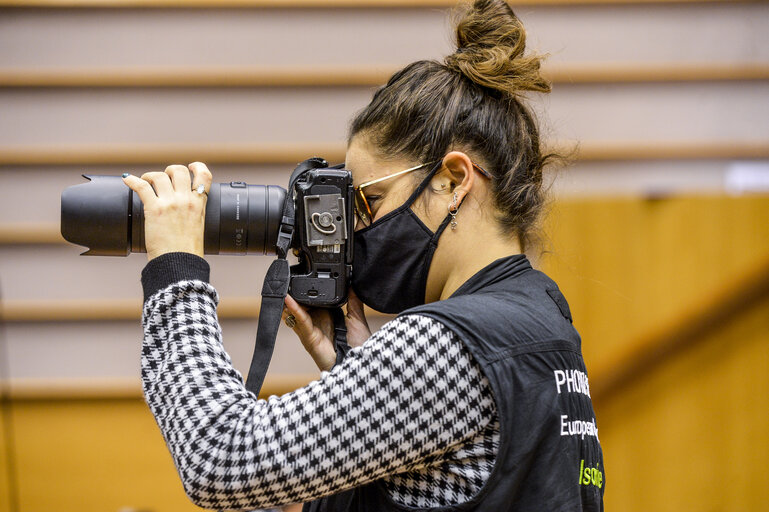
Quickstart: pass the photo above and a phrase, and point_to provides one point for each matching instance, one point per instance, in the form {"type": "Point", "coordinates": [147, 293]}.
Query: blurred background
{"type": "Point", "coordinates": [658, 233]}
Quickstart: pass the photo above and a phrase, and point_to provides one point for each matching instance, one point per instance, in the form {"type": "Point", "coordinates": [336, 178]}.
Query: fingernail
{"type": "Point", "coordinates": [125, 174]}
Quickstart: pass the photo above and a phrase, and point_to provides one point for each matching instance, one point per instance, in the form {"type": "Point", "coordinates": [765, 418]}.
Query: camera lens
{"type": "Point", "coordinates": [108, 218]}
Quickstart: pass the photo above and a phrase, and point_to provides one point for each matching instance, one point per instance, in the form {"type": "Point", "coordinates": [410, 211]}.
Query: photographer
{"type": "Point", "coordinates": [476, 395]}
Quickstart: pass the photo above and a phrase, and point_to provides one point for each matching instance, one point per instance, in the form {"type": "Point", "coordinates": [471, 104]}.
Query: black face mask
{"type": "Point", "coordinates": [392, 257]}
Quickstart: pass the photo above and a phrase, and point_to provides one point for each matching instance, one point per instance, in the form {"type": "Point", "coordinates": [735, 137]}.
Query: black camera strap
{"type": "Point", "coordinates": [340, 334]}
{"type": "Point", "coordinates": [274, 291]}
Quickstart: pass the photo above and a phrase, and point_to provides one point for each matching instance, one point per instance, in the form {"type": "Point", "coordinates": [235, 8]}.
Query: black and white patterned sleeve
{"type": "Point", "coordinates": [409, 394]}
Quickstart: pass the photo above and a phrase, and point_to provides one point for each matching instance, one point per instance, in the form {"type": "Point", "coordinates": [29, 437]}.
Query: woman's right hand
{"type": "Point", "coordinates": [315, 329]}
{"type": "Point", "coordinates": [174, 210]}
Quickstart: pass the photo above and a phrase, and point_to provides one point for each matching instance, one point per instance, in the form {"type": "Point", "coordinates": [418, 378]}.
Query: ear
{"type": "Point", "coordinates": [460, 172]}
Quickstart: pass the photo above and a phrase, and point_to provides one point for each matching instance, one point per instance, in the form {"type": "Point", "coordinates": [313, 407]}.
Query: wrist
{"type": "Point", "coordinates": [171, 267]}
{"type": "Point", "coordinates": [156, 253]}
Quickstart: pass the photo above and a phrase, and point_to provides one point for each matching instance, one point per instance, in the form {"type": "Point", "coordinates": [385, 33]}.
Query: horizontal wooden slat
{"type": "Point", "coordinates": [356, 4]}
{"type": "Point", "coordinates": [30, 234]}
{"type": "Point", "coordinates": [260, 154]}
{"type": "Point", "coordinates": [114, 388]}
{"type": "Point", "coordinates": [586, 73]}
{"type": "Point", "coordinates": [196, 77]}
{"type": "Point", "coordinates": [89, 310]}
{"type": "Point", "coordinates": [669, 150]}
{"type": "Point", "coordinates": [574, 73]}
{"type": "Point", "coordinates": [106, 310]}
{"type": "Point", "coordinates": [126, 154]}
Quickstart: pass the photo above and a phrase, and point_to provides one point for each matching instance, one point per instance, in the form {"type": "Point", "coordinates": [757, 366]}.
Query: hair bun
{"type": "Point", "coordinates": [491, 41]}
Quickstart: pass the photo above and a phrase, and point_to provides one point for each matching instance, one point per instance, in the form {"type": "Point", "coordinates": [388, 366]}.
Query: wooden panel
{"type": "Point", "coordinates": [284, 153]}
{"type": "Point", "coordinates": [627, 265]}
{"type": "Point", "coordinates": [6, 463]}
{"type": "Point", "coordinates": [335, 76]}
{"type": "Point", "coordinates": [693, 436]}
{"type": "Point", "coordinates": [329, 3]}
{"type": "Point", "coordinates": [96, 38]}
{"type": "Point", "coordinates": [23, 390]}
{"type": "Point", "coordinates": [94, 310]}
{"type": "Point", "coordinates": [30, 234]}
{"type": "Point", "coordinates": [94, 456]}
{"type": "Point", "coordinates": [706, 313]}
{"type": "Point", "coordinates": [274, 153]}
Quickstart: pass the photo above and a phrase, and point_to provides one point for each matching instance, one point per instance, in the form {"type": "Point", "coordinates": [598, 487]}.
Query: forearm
{"type": "Point", "coordinates": [234, 451]}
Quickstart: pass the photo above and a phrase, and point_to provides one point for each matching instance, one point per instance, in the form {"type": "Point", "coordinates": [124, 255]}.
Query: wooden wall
{"type": "Point", "coordinates": [646, 261]}
{"type": "Point", "coordinates": [692, 435]}
{"type": "Point", "coordinates": [666, 99]}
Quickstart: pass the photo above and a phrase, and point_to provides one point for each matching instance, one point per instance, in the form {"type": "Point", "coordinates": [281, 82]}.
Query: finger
{"type": "Point", "coordinates": [304, 326]}
{"type": "Point", "coordinates": [180, 177]}
{"type": "Point", "coordinates": [315, 342]}
{"type": "Point", "coordinates": [284, 316]}
{"type": "Point", "coordinates": [160, 182]}
{"type": "Point", "coordinates": [141, 187]}
{"type": "Point", "coordinates": [201, 176]}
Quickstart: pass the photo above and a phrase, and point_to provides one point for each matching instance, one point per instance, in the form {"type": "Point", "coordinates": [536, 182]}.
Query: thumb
{"type": "Point", "coordinates": [355, 308]}
{"type": "Point", "coordinates": [358, 330]}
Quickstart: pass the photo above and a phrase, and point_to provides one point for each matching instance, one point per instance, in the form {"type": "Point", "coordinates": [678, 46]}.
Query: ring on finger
{"type": "Point", "coordinates": [200, 189]}
{"type": "Point", "coordinates": [290, 321]}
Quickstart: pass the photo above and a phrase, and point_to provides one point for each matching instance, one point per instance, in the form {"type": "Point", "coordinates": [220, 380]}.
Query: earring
{"type": "Point", "coordinates": [453, 209]}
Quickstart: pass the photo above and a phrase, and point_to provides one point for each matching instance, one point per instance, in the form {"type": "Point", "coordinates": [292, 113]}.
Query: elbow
{"type": "Point", "coordinates": [198, 487]}
{"type": "Point", "coordinates": [207, 489]}
{"type": "Point", "coordinates": [202, 489]}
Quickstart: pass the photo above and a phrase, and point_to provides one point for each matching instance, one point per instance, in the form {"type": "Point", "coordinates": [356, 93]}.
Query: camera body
{"type": "Point", "coordinates": [314, 218]}
{"type": "Point", "coordinates": [323, 227]}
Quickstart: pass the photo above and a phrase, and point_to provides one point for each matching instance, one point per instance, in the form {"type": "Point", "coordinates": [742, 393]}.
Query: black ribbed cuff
{"type": "Point", "coordinates": [171, 268]}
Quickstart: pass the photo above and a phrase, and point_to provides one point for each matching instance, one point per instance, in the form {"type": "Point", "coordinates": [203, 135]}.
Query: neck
{"type": "Point", "coordinates": [462, 253]}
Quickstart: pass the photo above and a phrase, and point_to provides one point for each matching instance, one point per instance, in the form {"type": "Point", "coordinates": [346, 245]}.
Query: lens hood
{"type": "Point", "coordinates": [97, 215]}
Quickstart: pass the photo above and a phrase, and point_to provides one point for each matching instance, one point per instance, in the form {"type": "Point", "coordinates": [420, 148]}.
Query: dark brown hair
{"type": "Point", "coordinates": [472, 102]}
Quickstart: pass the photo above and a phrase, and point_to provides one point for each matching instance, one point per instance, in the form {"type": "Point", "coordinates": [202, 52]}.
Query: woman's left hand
{"type": "Point", "coordinates": [174, 212]}
{"type": "Point", "coordinates": [315, 328]}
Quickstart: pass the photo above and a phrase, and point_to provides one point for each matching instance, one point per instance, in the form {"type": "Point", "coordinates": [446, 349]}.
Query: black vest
{"type": "Point", "coordinates": [517, 325]}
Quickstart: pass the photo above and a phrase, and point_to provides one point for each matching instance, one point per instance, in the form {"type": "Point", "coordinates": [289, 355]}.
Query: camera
{"type": "Point", "coordinates": [314, 217]}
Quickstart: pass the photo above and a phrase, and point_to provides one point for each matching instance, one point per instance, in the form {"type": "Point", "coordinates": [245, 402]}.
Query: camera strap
{"type": "Point", "coordinates": [340, 334]}
{"type": "Point", "coordinates": [274, 291]}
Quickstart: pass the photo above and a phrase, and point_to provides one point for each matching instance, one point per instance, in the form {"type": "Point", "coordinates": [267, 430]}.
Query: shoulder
{"type": "Point", "coordinates": [495, 319]}
{"type": "Point", "coordinates": [411, 334]}
{"type": "Point", "coordinates": [420, 349]}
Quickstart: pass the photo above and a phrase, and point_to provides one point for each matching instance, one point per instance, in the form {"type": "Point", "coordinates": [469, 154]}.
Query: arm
{"type": "Point", "coordinates": [403, 398]}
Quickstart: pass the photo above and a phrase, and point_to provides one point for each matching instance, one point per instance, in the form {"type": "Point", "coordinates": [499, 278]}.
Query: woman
{"type": "Point", "coordinates": [474, 398]}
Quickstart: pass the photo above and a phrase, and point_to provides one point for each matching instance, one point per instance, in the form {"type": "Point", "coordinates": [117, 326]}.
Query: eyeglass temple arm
{"type": "Point", "coordinates": [393, 175]}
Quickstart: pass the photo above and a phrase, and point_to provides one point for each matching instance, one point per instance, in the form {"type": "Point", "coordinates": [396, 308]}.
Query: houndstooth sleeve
{"type": "Point", "coordinates": [409, 394]}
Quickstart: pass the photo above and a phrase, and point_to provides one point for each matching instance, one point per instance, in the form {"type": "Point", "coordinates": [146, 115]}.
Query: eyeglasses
{"type": "Point", "coordinates": [362, 208]}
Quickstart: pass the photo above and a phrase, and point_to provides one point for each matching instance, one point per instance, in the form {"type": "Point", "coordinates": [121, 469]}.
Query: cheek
{"type": "Point", "coordinates": [431, 211]}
